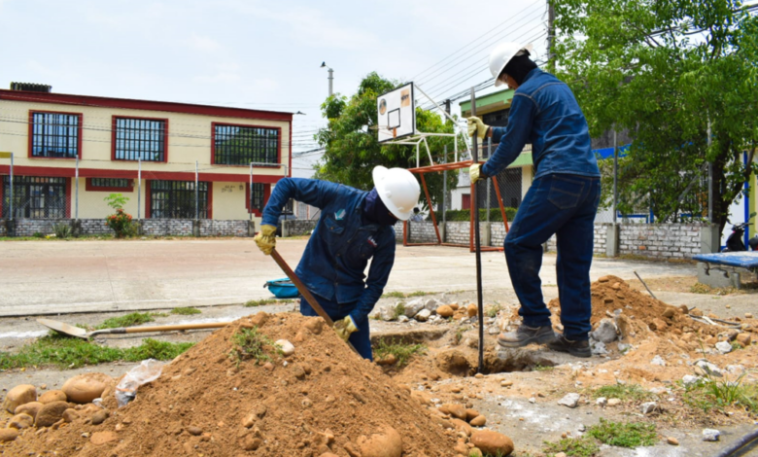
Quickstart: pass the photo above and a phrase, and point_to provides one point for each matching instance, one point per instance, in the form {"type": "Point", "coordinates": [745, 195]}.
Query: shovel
{"type": "Point", "coordinates": [77, 332]}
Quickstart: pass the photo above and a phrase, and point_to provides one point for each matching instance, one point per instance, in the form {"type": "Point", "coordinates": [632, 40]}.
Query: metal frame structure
{"type": "Point", "coordinates": [421, 171]}
{"type": "Point", "coordinates": [418, 138]}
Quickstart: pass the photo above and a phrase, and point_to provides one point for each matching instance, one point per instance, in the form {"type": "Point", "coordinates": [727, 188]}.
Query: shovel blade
{"type": "Point", "coordinates": [64, 328]}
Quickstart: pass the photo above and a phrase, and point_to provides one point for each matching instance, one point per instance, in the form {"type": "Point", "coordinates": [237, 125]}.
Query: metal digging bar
{"type": "Point", "coordinates": [304, 291]}
{"type": "Point", "coordinates": [477, 243]}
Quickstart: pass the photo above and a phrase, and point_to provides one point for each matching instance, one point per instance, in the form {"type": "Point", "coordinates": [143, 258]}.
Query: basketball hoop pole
{"type": "Point", "coordinates": [477, 243]}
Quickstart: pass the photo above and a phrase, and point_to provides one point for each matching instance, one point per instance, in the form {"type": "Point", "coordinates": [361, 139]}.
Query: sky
{"type": "Point", "coordinates": [256, 54]}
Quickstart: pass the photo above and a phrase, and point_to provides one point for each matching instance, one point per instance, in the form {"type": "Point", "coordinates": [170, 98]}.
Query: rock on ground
{"type": "Point", "coordinates": [85, 387]}
{"type": "Point", "coordinates": [21, 421]}
{"type": "Point", "coordinates": [51, 396]}
{"type": "Point", "coordinates": [724, 347]}
{"type": "Point", "coordinates": [423, 315]}
{"type": "Point", "coordinates": [710, 434]}
{"type": "Point", "coordinates": [50, 413]}
{"type": "Point", "coordinates": [19, 395]}
{"type": "Point", "coordinates": [386, 443]}
{"type": "Point", "coordinates": [8, 434]}
{"type": "Point", "coordinates": [490, 442]}
{"type": "Point", "coordinates": [287, 347]}
{"type": "Point", "coordinates": [571, 400]}
{"type": "Point", "coordinates": [31, 408]}
{"type": "Point", "coordinates": [605, 331]}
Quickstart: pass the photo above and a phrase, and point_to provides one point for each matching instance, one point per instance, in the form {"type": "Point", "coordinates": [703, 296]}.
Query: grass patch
{"type": "Point", "coordinates": [492, 310]}
{"type": "Point", "coordinates": [67, 352]}
{"type": "Point", "coordinates": [129, 320]}
{"type": "Point", "coordinates": [398, 311]}
{"type": "Point", "coordinates": [576, 447]}
{"type": "Point", "coordinates": [265, 301]}
{"type": "Point", "coordinates": [544, 368]}
{"type": "Point", "coordinates": [419, 293]}
{"type": "Point", "coordinates": [396, 294]}
{"type": "Point", "coordinates": [403, 352]}
{"type": "Point", "coordinates": [628, 434]}
{"type": "Point", "coordinates": [393, 294]}
{"type": "Point", "coordinates": [250, 343]}
{"type": "Point", "coordinates": [623, 392]}
{"type": "Point", "coordinates": [700, 288]}
{"type": "Point", "coordinates": [185, 311]}
{"type": "Point", "coordinates": [707, 394]}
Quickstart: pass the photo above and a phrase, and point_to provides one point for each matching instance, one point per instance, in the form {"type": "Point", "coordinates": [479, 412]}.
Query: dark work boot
{"type": "Point", "coordinates": [579, 348]}
{"type": "Point", "coordinates": [526, 335]}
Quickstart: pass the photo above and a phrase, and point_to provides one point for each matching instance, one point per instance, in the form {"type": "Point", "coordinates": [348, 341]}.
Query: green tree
{"type": "Point", "coordinates": [351, 143]}
{"type": "Point", "coordinates": [664, 71]}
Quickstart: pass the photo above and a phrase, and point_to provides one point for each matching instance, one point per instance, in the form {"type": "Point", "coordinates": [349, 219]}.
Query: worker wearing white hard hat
{"type": "Point", "coordinates": [561, 201]}
{"type": "Point", "coordinates": [355, 226]}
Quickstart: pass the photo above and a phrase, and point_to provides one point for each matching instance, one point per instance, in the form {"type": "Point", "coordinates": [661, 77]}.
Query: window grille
{"type": "Point", "coordinates": [35, 197]}
{"type": "Point", "coordinates": [115, 183]}
{"type": "Point", "coordinates": [235, 145]}
{"type": "Point", "coordinates": [256, 198]}
{"type": "Point", "coordinates": [55, 135]}
{"type": "Point", "coordinates": [176, 199]}
{"type": "Point", "coordinates": [145, 138]}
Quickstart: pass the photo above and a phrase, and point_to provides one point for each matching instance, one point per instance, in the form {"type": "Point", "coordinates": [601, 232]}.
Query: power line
{"type": "Point", "coordinates": [487, 44]}
{"type": "Point", "coordinates": [470, 43]}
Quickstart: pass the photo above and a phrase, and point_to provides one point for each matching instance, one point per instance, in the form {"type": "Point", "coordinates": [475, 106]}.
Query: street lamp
{"type": "Point", "coordinates": [331, 77]}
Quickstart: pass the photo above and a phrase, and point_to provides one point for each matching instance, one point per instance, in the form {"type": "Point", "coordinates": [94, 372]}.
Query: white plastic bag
{"type": "Point", "coordinates": [147, 371]}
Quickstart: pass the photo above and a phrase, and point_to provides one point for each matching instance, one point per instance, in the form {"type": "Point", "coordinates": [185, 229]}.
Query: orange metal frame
{"type": "Point", "coordinates": [453, 166]}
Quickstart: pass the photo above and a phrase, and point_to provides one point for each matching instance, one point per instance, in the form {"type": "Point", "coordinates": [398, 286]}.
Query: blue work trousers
{"type": "Point", "coordinates": [564, 205]}
{"type": "Point", "coordinates": [361, 340]}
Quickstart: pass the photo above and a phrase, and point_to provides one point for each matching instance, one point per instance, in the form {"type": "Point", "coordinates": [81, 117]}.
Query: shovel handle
{"type": "Point", "coordinates": [305, 292]}
{"type": "Point", "coordinates": [159, 328]}
{"type": "Point", "coordinates": [301, 287]}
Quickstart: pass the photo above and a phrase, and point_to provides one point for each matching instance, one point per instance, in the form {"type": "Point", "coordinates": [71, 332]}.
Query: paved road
{"type": "Point", "coordinates": [53, 277]}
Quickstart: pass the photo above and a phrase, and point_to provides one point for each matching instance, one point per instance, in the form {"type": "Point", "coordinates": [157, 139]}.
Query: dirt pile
{"type": "Point", "coordinates": [638, 316]}
{"type": "Point", "coordinates": [220, 399]}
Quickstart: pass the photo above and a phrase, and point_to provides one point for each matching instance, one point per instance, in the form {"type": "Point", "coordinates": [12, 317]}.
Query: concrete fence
{"type": "Point", "coordinates": [148, 227]}
{"type": "Point", "coordinates": [656, 241]}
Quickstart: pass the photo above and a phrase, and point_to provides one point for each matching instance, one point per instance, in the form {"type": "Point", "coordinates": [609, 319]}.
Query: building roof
{"type": "Point", "coordinates": [148, 105]}
{"type": "Point", "coordinates": [486, 104]}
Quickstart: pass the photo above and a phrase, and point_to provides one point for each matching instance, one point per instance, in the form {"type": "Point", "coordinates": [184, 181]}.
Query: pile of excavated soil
{"type": "Point", "coordinates": [321, 399]}
{"type": "Point", "coordinates": [638, 316]}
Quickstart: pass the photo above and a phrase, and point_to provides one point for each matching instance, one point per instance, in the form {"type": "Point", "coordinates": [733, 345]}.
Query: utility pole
{"type": "Point", "coordinates": [550, 37]}
{"type": "Point", "coordinates": [331, 77]}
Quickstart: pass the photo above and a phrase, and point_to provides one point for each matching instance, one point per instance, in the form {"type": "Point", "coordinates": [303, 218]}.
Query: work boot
{"type": "Point", "coordinates": [578, 348]}
{"type": "Point", "coordinates": [526, 335]}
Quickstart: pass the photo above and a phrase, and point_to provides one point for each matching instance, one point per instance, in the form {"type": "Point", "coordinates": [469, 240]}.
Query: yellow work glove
{"type": "Point", "coordinates": [266, 239]}
{"type": "Point", "coordinates": [344, 327]}
{"type": "Point", "coordinates": [475, 173]}
{"type": "Point", "coordinates": [476, 126]}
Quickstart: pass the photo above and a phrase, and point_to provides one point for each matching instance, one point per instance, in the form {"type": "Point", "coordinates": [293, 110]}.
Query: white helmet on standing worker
{"type": "Point", "coordinates": [398, 190]}
{"type": "Point", "coordinates": [502, 54]}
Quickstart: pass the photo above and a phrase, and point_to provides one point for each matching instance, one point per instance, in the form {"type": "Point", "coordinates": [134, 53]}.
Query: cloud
{"type": "Point", "coordinates": [309, 26]}
{"type": "Point", "coordinates": [203, 43]}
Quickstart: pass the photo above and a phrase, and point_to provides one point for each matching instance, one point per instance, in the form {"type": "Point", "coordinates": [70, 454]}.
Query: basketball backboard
{"type": "Point", "coordinates": [396, 113]}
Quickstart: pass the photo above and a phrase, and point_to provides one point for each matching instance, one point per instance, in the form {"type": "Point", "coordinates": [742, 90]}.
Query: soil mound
{"type": "Point", "coordinates": [321, 399]}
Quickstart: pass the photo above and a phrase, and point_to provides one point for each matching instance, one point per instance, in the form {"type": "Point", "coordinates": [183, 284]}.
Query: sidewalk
{"type": "Point", "coordinates": [55, 277]}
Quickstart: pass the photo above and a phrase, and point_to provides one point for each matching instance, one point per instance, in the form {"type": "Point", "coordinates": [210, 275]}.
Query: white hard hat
{"type": "Point", "coordinates": [502, 54]}
{"type": "Point", "coordinates": [398, 190]}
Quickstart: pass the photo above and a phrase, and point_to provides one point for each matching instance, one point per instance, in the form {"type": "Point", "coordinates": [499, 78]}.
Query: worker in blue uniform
{"type": "Point", "coordinates": [562, 199]}
{"type": "Point", "coordinates": [355, 226]}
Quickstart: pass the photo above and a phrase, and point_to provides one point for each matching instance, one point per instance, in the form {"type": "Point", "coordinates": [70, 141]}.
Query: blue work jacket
{"type": "Point", "coordinates": [544, 113]}
{"type": "Point", "coordinates": [340, 247]}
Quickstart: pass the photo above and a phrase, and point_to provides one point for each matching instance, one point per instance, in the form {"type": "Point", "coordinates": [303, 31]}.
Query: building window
{"type": "Point", "coordinates": [256, 201]}
{"type": "Point", "coordinates": [55, 135]}
{"type": "Point", "coordinates": [139, 138]}
{"type": "Point", "coordinates": [110, 184]}
{"type": "Point", "coordinates": [176, 200]}
{"type": "Point", "coordinates": [240, 145]}
{"type": "Point", "coordinates": [35, 198]}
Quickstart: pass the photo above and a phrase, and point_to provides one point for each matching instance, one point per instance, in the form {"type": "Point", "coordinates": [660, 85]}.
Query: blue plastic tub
{"type": "Point", "coordinates": [282, 288]}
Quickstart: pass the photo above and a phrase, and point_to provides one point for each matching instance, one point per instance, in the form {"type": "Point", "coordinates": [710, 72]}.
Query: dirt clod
{"type": "Point", "coordinates": [50, 413]}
